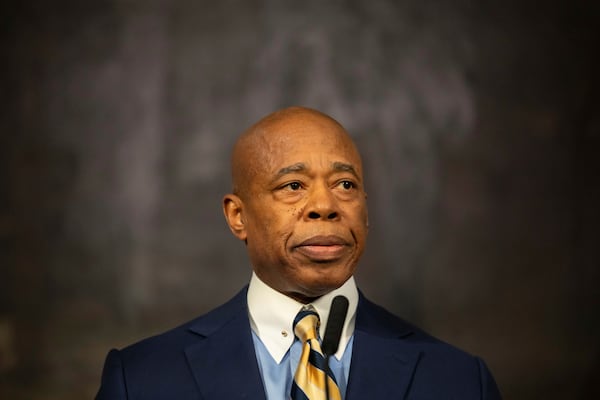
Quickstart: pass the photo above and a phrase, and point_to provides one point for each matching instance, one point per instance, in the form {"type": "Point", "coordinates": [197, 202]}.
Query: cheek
{"type": "Point", "coordinates": [275, 227]}
{"type": "Point", "coordinates": [361, 224]}
{"type": "Point", "coordinates": [360, 213]}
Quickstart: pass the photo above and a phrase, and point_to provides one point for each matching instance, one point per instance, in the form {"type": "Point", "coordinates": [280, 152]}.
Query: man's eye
{"type": "Point", "coordinates": [294, 185]}
{"type": "Point", "coordinates": [347, 185]}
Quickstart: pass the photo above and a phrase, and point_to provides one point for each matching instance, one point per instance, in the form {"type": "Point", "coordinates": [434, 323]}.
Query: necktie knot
{"type": "Point", "coordinates": [306, 325]}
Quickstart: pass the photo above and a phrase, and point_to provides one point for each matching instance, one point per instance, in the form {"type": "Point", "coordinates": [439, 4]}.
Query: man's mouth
{"type": "Point", "coordinates": [323, 248]}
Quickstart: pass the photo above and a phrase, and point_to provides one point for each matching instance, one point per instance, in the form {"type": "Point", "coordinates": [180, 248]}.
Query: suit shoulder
{"type": "Point", "coordinates": [452, 369]}
{"type": "Point", "coordinates": [382, 322]}
{"type": "Point", "coordinates": [180, 336]}
{"type": "Point", "coordinates": [160, 364]}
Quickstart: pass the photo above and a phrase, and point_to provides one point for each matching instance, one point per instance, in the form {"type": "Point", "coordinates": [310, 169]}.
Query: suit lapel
{"type": "Point", "coordinates": [383, 363]}
{"type": "Point", "coordinates": [223, 361]}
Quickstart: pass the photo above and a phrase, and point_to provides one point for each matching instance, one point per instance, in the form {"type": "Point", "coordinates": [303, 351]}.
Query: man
{"type": "Point", "coordinates": [299, 205]}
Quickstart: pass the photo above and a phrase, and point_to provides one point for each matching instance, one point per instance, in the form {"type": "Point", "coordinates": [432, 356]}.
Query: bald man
{"type": "Point", "coordinates": [299, 205]}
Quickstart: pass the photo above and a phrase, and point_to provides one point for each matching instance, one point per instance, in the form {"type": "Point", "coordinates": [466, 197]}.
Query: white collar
{"type": "Point", "coordinates": [272, 314]}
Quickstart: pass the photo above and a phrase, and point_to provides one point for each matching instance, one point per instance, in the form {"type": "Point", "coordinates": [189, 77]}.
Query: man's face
{"type": "Point", "coordinates": [304, 211]}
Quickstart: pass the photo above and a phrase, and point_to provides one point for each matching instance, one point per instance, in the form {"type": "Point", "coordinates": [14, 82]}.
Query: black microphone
{"type": "Point", "coordinates": [335, 323]}
{"type": "Point", "coordinates": [333, 332]}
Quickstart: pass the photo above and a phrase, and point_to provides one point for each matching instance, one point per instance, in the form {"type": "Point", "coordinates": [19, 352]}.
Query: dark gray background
{"type": "Point", "coordinates": [479, 127]}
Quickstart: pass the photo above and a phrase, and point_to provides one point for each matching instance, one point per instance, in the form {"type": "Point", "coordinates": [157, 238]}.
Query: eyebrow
{"type": "Point", "coordinates": [343, 167]}
{"type": "Point", "coordinates": [338, 166]}
{"type": "Point", "coordinates": [298, 167]}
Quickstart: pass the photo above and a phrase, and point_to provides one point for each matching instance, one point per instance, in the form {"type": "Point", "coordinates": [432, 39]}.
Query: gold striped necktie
{"type": "Point", "coordinates": [310, 376]}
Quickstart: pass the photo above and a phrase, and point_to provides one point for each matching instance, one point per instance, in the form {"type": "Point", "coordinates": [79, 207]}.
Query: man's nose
{"type": "Point", "coordinates": [321, 204]}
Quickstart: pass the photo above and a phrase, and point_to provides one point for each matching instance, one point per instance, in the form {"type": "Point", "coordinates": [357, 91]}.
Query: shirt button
{"type": "Point", "coordinates": [284, 333]}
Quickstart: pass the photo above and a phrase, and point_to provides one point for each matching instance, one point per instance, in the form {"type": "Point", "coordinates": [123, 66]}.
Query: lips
{"type": "Point", "coordinates": [323, 248]}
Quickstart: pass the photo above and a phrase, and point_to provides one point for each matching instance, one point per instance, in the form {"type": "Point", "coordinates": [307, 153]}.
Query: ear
{"type": "Point", "coordinates": [367, 210]}
{"type": "Point", "coordinates": [233, 208]}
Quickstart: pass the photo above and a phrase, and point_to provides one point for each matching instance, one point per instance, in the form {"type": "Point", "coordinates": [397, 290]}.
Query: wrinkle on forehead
{"type": "Point", "coordinates": [279, 132]}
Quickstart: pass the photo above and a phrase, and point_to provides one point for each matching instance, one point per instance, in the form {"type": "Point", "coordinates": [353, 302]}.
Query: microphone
{"type": "Point", "coordinates": [335, 323]}
{"type": "Point", "coordinates": [333, 332]}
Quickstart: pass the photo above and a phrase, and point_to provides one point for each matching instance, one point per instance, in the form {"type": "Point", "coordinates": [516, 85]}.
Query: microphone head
{"type": "Point", "coordinates": [335, 324]}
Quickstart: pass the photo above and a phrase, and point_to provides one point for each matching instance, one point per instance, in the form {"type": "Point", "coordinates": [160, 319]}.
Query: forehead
{"type": "Point", "coordinates": [312, 143]}
{"type": "Point", "coordinates": [289, 137]}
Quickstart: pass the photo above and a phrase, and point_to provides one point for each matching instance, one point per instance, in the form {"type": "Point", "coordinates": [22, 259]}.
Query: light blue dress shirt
{"type": "Point", "coordinates": [277, 378]}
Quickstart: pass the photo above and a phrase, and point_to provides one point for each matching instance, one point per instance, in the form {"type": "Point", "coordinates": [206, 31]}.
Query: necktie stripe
{"type": "Point", "coordinates": [318, 361]}
{"type": "Point", "coordinates": [297, 393]}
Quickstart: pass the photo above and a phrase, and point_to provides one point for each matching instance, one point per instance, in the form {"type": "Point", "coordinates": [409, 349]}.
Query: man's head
{"type": "Point", "coordinates": [299, 202]}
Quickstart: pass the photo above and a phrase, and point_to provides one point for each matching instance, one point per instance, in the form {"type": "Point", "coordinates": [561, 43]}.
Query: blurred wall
{"type": "Point", "coordinates": [479, 127]}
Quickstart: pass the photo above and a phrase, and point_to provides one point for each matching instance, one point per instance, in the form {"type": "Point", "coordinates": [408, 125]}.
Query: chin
{"type": "Point", "coordinates": [322, 285]}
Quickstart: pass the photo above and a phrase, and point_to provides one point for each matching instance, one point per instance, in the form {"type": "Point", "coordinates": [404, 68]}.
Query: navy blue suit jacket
{"type": "Point", "coordinates": [390, 360]}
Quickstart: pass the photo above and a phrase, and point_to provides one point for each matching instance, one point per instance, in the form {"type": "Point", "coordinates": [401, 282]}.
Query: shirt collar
{"type": "Point", "coordinates": [272, 314]}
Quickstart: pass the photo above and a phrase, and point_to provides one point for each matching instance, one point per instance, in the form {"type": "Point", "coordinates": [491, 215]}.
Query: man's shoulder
{"type": "Point", "coordinates": [188, 332]}
{"type": "Point", "coordinates": [377, 320]}
{"type": "Point", "coordinates": [161, 363]}
{"type": "Point", "coordinates": [438, 369]}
